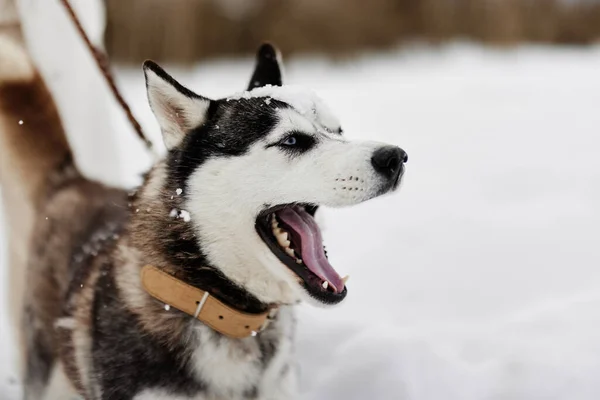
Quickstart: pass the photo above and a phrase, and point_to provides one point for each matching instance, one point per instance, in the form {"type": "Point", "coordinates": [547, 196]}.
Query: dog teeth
{"type": "Point", "coordinates": [283, 239]}
{"type": "Point", "coordinates": [325, 285]}
{"type": "Point", "coordinates": [345, 279]}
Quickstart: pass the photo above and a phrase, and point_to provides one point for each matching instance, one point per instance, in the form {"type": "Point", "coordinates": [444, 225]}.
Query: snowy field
{"type": "Point", "coordinates": [481, 278]}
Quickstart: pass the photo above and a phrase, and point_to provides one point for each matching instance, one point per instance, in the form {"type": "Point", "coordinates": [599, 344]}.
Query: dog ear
{"type": "Point", "coordinates": [177, 109]}
{"type": "Point", "coordinates": [268, 67]}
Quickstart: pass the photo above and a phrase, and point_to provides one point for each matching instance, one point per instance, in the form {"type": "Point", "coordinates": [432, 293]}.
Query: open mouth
{"type": "Point", "coordinates": [292, 234]}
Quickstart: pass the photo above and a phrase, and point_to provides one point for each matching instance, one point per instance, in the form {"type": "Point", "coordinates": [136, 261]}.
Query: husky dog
{"type": "Point", "coordinates": [228, 212]}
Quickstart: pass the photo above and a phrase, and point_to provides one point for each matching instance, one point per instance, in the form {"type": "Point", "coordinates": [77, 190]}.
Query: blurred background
{"type": "Point", "coordinates": [479, 280]}
{"type": "Point", "coordinates": [192, 30]}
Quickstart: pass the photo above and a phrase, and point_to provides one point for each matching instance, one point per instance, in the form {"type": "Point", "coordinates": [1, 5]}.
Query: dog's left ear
{"type": "Point", "coordinates": [268, 67]}
{"type": "Point", "coordinates": [177, 109]}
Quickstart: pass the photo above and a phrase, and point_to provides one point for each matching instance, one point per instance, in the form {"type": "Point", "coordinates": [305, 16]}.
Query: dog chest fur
{"type": "Point", "coordinates": [186, 359]}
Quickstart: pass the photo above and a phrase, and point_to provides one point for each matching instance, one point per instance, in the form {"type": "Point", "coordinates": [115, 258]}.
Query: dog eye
{"type": "Point", "coordinates": [297, 142]}
{"type": "Point", "coordinates": [290, 141]}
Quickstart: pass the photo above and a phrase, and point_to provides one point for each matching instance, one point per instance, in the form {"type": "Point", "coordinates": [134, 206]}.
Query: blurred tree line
{"type": "Point", "coordinates": [189, 30]}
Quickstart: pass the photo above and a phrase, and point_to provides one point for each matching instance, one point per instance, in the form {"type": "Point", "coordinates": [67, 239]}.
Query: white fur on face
{"type": "Point", "coordinates": [225, 196]}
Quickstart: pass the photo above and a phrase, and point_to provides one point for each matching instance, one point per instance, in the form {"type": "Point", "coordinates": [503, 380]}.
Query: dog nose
{"type": "Point", "coordinates": [388, 160]}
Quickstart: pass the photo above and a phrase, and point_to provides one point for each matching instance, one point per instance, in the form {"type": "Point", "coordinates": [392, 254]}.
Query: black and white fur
{"type": "Point", "coordinates": [240, 167]}
{"type": "Point", "coordinates": [98, 334]}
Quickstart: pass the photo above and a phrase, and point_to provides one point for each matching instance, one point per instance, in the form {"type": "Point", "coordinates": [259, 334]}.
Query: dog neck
{"type": "Point", "coordinates": [168, 242]}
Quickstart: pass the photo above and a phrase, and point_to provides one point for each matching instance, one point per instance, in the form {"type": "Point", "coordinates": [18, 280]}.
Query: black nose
{"type": "Point", "coordinates": [388, 160]}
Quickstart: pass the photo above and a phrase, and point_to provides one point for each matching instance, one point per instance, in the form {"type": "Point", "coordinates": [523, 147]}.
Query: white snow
{"type": "Point", "coordinates": [480, 279]}
{"type": "Point", "coordinates": [184, 215]}
{"type": "Point", "coordinates": [301, 98]}
{"type": "Point", "coordinates": [179, 191]}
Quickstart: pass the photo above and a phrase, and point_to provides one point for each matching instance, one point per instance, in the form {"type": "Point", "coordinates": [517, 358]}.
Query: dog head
{"type": "Point", "coordinates": [254, 167]}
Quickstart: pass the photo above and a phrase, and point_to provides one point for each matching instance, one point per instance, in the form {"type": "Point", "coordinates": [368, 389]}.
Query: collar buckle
{"type": "Point", "coordinates": [270, 317]}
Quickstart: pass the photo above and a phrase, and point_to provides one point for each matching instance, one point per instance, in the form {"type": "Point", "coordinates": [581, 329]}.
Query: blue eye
{"type": "Point", "coordinates": [290, 141]}
{"type": "Point", "coordinates": [295, 143]}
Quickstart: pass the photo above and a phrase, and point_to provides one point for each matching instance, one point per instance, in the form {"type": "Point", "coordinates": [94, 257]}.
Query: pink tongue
{"type": "Point", "coordinates": [312, 252]}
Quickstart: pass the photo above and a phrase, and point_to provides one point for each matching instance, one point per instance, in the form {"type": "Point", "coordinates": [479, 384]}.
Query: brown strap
{"type": "Point", "coordinates": [103, 64]}
{"type": "Point", "coordinates": [200, 304]}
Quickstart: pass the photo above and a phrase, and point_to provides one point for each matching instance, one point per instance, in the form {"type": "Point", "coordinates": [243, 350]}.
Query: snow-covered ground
{"type": "Point", "coordinates": [481, 278]}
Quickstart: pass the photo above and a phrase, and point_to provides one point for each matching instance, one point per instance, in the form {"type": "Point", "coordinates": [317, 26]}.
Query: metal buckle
{"type": "Point", "coordinates": [201, 304]}
{"type": "Point", "coordinates": [270, 317]}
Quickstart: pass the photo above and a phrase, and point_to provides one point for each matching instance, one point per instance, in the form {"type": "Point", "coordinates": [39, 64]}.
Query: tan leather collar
{"type": "Point", "coordinates": [201, 305]}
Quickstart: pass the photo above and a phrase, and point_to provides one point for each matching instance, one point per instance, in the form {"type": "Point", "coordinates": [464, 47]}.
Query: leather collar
{"type": "Point", "coordinates": [201, 305]}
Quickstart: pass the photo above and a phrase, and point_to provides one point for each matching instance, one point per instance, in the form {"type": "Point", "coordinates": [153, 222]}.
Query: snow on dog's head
{"type": "Point", "coordinates": [302, 100]}
{"type": "Point", "coordinates": [255, 166]}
